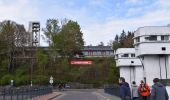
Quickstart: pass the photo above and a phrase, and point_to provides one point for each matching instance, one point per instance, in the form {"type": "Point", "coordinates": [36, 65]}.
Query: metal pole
{"type": "Point", "coordinates": [4, 94]}
{"type": "Point", "coordinates": [22, 91]}
{"type": "Point", "coordinates": [11, 92]}
{"type": "Point", "coordinates": [17, 91]}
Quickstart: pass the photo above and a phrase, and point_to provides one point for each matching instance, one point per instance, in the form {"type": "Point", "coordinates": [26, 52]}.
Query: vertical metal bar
{"type": "Point", "coordinates": [11, 93]}
{"type": "Point", "coordinates": [4, 94]}
{"type": "Point", "coordinates": [30, 93]}
{"type": "Point", "coordinates": [22, 93]}
{"type": "Point", "coordinates": [17, 91]}
{"type": "Point", "coordinates": [26, 93]}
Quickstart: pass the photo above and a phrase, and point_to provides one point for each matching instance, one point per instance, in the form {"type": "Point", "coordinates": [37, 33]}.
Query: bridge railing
{"type": "Point", "coordinates": [112, 89]}
{"type": "Point", "coordinates": [23, 93]}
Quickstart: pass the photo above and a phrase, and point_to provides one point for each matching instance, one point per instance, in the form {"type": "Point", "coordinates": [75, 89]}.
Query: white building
{"type": "Point", "coordinates": [130, 67]}
{"type": "Point", "coordinates": [152, 46]}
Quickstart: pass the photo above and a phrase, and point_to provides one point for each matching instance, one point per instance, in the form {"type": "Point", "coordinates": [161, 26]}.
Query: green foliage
{"type": "Point", "coordinates": [40, 80]}
{"type": "Point", "coordinates": [64, 40]}
{"type": "Point", "coordinates": [6, 79]}
{"type": "Point", "coordinates": [69, 39]}
{"type": "Point", "coordinates": [124, 41]}
{"type": "Point", "coordinates": [42, 60]}
{"type": "Point", "coordinates": [21, 80]}
{"type": "Point", "coordinates": [4, 67]}
{"type": "Point", "coordinates": [113, 74]}
{"type": "Point", "coordinates": [52, 28]}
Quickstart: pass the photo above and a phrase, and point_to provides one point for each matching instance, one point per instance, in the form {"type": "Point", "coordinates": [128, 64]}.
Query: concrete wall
{"type": "Point", "coordinates": [138, 74]}
{"type": "Point", "coordinates": [168, 90]}
{"type": "Point", "coordinates": [152, 48]}
{"type": "Point", "coordinates": [131, 74]}
{"type": "Point", "coordinates": [128, 62]}
{"type": "Point", "coordinates": [156, 67]}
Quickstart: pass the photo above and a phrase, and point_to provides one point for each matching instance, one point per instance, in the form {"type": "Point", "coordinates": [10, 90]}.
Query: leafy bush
{"type": "Point", "coordinates": [40, 80]}
{"type": "Point", "coordinates": [5, 80]}
{"type": "Point", "coordinates": [22, 80]}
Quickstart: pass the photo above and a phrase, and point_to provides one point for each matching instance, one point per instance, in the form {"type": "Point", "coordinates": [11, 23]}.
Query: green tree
{"type": "Point", "coordinates": [52, 28]}
{"type": "Point", "coordinates": [12, 35]}
{"type": "Point", "coordinates": [122, 38]}
{"type": "Point", "coordinates": [69, 39]}
{"type": "Point", "coordinates": [110, 43]}
{"type": "Point", "coordinates": [42, 61]}
{"type": "Point", "coordinates": [129, 40]}
{"type": "Point", "coordinates": [101, 44]}
{"type": "Point", "coordinates": [116, 43]}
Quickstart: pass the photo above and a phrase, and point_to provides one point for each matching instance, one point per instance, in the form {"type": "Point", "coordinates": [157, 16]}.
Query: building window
{"type": "Point", "coordinates": [151, 38]}
{"type": "Point", "coordinates": [116, 56]}
{"type": "Point", "coordinates": [132, 55]}
{"type": "Point", "coordinates": [125, 55]}
{"type": "Point", "coordinates": [138, 39]}
{"type": "Point", "coordinates": [164, 37]}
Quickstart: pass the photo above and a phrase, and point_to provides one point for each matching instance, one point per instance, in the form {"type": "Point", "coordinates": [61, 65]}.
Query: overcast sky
{"type": "Point", "coordinates": [100, 20]}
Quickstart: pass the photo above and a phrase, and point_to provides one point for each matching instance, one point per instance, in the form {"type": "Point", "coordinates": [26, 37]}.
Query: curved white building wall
{"type": "Point", "coordinates": [152, 48]}
{"type": "Point", "coordinates": [128, 62]}
{"type": "Point", "coordinates": [152, 45]}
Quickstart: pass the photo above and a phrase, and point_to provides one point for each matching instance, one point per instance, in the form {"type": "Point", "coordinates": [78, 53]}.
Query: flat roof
{"type": "Point", "coordinates": [152, 30]}
{"type": "Point", "coordinates": [125, 50]}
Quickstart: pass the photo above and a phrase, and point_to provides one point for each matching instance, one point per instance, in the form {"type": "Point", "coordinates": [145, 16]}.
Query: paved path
{"type": "Point", "coordinates": [86, 94]}
{"type": "Point", "coordinates": [47, 96]}
{"type": "Point", "coordinates": [108, 96]}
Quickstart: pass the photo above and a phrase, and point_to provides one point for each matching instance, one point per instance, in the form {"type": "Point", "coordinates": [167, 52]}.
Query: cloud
{"type": "Point", "coordinates": [19, 10]}
{"type": "Point", "coordinates": [132, 1]}
{"type": "Point", "coordinates": [114, 25]}
{"type": "Point", "coordinates": [100, 20]}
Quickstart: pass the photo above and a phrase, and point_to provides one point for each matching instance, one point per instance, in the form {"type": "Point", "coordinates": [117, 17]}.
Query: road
{"type": "Point", "coordinates": [83, 95]}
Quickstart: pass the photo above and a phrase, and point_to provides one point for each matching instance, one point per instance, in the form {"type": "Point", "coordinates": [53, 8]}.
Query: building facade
{"type": "Point", "coordinates": [130, 67]}
{"type": "Point", "coordinates": [98, 51]}
{"type": "Point", "coordinates": [152, 46]}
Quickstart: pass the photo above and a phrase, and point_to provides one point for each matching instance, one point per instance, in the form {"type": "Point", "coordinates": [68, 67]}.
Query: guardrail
{"type": "Point", "coordinates": [165, 82]}
{"type": "Point", "coordinates": [112, 89]}
{"type": "Point", "coordinates": [23, 93]}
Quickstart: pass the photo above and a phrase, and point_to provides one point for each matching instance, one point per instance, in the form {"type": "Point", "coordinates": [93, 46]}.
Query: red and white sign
{"type": "Point", "coordinates": [81, 62]}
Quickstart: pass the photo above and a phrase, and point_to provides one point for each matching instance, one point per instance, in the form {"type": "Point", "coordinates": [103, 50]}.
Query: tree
{"type": "Point", "coordinates": [12, 35]}
{"type": "Point", "coordinates": [129, 40]}
{"type": "Point", "coordinates": [42, 60]}
{"type": "Point", "coordinates": [101, 44]}
{"type": "Point", "coordinates": [116, 43]}
{"type": "Point", "coordinates": [52, 28]}
{"type": "Point", "coordinates": [110, 43]}
{"type": "Point", "coordinates": [122, 38]}
{"type": "Point", "coordinates": [116, 38]}
{"type": "Point", "coordinates": [69, 40]}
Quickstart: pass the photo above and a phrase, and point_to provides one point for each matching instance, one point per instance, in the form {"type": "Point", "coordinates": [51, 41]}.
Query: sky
{"type": "Point", "coordinates": [100, 20]}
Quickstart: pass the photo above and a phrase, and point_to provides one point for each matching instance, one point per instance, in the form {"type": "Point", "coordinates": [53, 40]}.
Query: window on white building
{"type": "Point", "coordinates": [125, 55]}
{"type": "Point", "coordinates": [138, 39]}
{"type": "Point", "coordinates": [116, 56]}
{"type": "Point", "coordinates": [151, 38]}
{"type": "Point", "coordinates": [164, 37]}
{"type": "Point", "coordinates": [132, 55]}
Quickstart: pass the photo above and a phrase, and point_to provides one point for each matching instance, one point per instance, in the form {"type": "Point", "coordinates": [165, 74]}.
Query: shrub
{"type": "Point", "coordinates": [40, 80]}
{"type": "Point", "coordinates": [5, 80]}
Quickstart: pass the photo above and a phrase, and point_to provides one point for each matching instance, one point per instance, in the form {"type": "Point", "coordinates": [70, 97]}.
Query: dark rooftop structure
{"type": "Point", "coordinates": [97, 51]}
